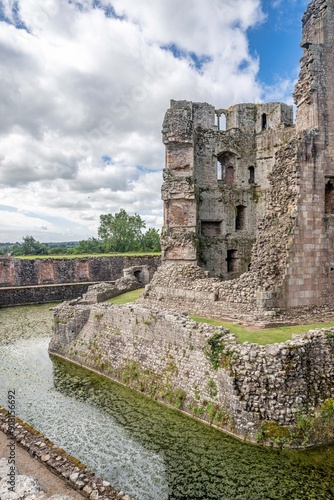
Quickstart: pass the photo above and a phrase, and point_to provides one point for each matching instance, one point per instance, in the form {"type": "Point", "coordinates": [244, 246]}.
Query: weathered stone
{"type": "Point", "coordinates": [48, 280]}
{"type": "Point", "coordinates": [24, 487]}
{"type": "Point", "coordinates": [254, 204]}
{"type": "Point", "coordinates": [249, 380]}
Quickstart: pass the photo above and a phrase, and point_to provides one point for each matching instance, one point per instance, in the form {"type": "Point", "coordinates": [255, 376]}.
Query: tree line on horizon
{"type": "Point", "coordinates": [117, 233]}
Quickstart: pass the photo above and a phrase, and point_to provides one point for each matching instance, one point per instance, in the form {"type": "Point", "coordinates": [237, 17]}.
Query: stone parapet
{"type": "Point", "coordinates": [69, 469]}
{"type": "Point", "coordinates": [201, 369]}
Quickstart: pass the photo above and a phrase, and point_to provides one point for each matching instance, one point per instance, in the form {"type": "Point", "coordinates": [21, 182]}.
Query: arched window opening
{"type": "Point", "coordinates": [329, 197]}
{"type": "Point", "coordinates": [227, 162]}
{"type": "Point", "coordinates": [251, 179]}
{"type": "Point", "coordinates": [232, 261]}
{"type": "Point", "coordinates": [240, 219]}
{"type": "Point", "coordinates": [220, 119]}
{"type": "Point", "coordinates": [264, 121]}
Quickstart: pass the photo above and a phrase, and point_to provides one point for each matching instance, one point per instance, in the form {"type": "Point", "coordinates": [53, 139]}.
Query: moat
{"type": "Point", "coordinates": [141, 447]}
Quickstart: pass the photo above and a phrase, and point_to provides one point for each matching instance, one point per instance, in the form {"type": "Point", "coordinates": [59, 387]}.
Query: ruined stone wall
{"type": "Point", "coordinates": [69, 469]}
{"type": "Point", "coordinates": [274, 189]}
{"type": "Point", "coordinates": [40, 294]}
{"type": "Point", "coordinates": [257, 293]}
{"type": "Point", "coordinates": [199, 368]}
{"type": "Point", "coordinates": [26, 272]}
{"type": "Point", "coordinates": [309, 276]}
{"type": "Point", "coordinates": [215, 182]}
{"type": "Point", "coordinates": [178, 191]}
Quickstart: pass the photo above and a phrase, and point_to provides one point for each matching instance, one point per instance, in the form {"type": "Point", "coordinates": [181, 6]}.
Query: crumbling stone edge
{"type": "Point", "coordinates": [65, 466]}
{"type": "Point", "coordinates": [239, 437]}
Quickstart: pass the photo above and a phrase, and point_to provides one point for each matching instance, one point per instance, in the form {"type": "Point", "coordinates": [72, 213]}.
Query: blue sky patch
{"type": "Point", "coordinates": [145, 170]}
{"type": "Point", "coordinates": [276, 41]}
{"type": "Point", "coordinates": [16, 20]}
{"type": "Point", "coordinates": [107, 160]}
{"type": "Point", "coordinates": [109, 10]}
{"type": "Point", "coordinates": [198, 60]}
{"type": "Point", "coordinates": [7, 208]}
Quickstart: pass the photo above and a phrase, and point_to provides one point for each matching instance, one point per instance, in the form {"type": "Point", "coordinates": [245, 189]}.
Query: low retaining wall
{"type": "Point", "coordinates": [30, 272]}
{"type": "Point", "coordinates": [57, 460]}
{"type": "Point", "coordinates": [14, 296]}
{"type": "Point", "coordinates": [256, 392]}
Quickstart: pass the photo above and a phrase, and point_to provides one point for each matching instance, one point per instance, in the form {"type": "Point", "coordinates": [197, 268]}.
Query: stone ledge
{"type": "Point", "coordinates": [68, 468]}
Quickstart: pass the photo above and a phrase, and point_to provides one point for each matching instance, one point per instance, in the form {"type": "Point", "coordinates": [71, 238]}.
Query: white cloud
{"type": "Point", "coordinates": [77, 85]}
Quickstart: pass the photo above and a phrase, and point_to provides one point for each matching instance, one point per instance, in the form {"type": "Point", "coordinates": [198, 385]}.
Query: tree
{"type": "Point", "coordinates": [151, 241]}
{"type": "Point", "coordinates": [92, 245]}
{"type": "Point", "coordinates": [121, 232]}
{"type": "Point", "coordinates": [30, 246]}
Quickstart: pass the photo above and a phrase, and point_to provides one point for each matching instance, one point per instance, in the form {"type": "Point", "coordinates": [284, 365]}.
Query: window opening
{"type": "Point", "coordinates": [240, 219]}
{"type": "Point", "coordinates": [264, 121]}
{"type": "Point", "coordinates": [219, 171]}
{"type": "Point", "coordinates": [227, 161]}
{"type": "Point", "coordinates": [211, 228]}
{"type": "Point", "coordinates": [251, 179]}
{"type": "Point", "coordinates": [329, 198]}
{"type": "Point", "coordinates": [220, 120]}
{"type": "Point", "coordinates": [232, 261]}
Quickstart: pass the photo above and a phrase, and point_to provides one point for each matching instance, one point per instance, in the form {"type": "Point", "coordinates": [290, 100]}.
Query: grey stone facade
{"type": "Point", "coordinates": [254, 204]}
{"type": "Point", "coordinates": [216, 182]}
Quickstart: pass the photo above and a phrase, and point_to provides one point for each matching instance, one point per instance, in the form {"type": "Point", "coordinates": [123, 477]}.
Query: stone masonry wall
{"type": "Point", "coordinates": [39, 294]}
{"type": "Point", "coordinates": [26, 272]}
{"type": "Point", "coordinates": [68, 468]}
{"type": "Point", "coordinates": [277, 178]}
{"type": "Point", "coordinates": [199, 368]}
{"type": "Point", "coordinates": [257, 293]}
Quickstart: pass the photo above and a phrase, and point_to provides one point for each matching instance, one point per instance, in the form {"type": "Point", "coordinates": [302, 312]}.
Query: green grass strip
{"type": "Point", "coordinates": [125, 298]}
{"type": "Point", "coordinates": [262, 336]}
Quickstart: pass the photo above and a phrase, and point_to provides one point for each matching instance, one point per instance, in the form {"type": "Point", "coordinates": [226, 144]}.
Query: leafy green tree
{"type": "Point", "coordinates": [151, 241]}
{"type": "Point", "coordinates": [121, 232]}
{"type": "Point", "coordinates": [57, 250]}
{"type": "Point", "coordinates": [92, 245]}
{"type": "Point", "coordinates": [16, 249]}
{"type": "Point", "coordinates": [30, 246]}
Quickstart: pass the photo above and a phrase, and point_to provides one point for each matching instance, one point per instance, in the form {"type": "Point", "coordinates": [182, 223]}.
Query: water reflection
{"type": "Point", "coordinates": [145, 449]}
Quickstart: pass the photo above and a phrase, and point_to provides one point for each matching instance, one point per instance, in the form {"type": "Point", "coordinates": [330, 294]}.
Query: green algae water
{"type": "Point", "coordinates": [141, 447]}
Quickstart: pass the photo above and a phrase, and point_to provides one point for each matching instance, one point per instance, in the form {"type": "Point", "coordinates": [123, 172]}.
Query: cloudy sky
{"type": "Point", "coordinates": [84, 85]}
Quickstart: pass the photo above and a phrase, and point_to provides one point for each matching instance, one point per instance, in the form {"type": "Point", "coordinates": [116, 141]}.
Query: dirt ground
{"type": "Point", "coordinates": [29, 466]}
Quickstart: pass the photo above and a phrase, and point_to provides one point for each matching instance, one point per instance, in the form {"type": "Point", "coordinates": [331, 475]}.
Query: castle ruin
{"type": "Point", "coordinates": [248, 235]}
{"type": "Point", "coordinates": [249, 210]}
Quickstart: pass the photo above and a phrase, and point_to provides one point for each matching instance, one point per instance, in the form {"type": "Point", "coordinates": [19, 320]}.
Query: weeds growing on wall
{"type": "Point", "coordinates": [156, 385]}
{"type": "Point", "coordinates": [215, 350]}
{"type": "Point", "coordinates": [217, 353]}
{"type": "Point", "coordinates": [307, 431]}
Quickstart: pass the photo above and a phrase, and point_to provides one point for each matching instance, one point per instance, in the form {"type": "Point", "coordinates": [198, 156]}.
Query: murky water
{"type": "Point", "coordinates": [141, 447]}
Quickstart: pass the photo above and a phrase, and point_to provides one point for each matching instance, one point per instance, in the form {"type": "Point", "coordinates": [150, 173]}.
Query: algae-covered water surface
{"type": "Point", "coordinates": [141, 447]}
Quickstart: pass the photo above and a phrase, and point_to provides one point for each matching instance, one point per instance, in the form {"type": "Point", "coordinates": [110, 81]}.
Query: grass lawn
{"type": "Point", "coordinates": [265, 335]}
{"type": "Point", "coordinates": [127, 297]}
{"type": "Point", "coordinates": [77, 256]}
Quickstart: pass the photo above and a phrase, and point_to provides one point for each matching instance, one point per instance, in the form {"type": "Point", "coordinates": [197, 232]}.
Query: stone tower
{"type": "Point", "coordinates": [215, 181]}
{"type": "Point", "coordinates": [253, 204]}
{"type": "Point", "coordinates": [310, 273]}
